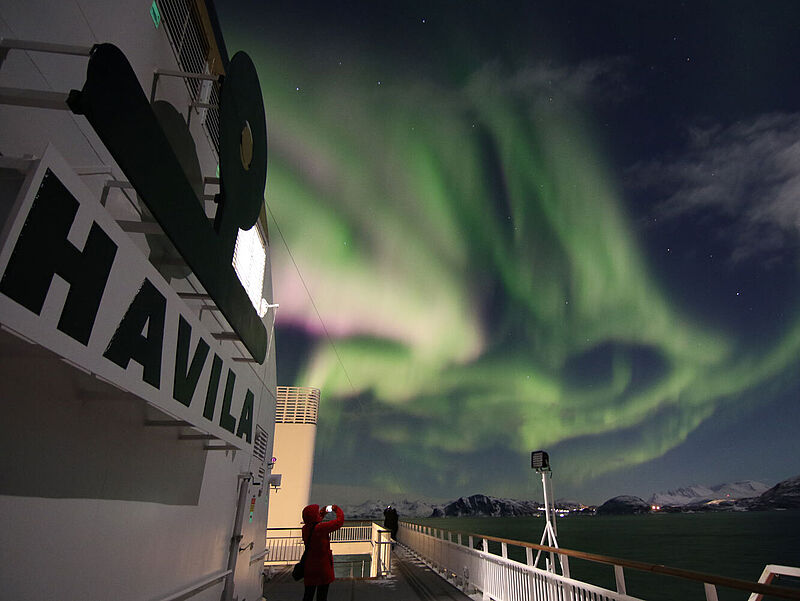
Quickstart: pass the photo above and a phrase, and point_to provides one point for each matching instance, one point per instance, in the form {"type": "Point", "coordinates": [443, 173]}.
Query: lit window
{"type": "Point", "coordinates": [249, 261]}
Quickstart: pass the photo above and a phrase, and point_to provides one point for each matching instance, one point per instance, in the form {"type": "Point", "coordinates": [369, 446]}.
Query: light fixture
{"type": "Point", "coordinates": [266, 306]}
{"type": "Point", "coordinates": [540, 461]}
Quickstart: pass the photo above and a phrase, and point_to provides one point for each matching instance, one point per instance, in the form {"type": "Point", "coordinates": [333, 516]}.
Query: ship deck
{"type": "Point", "coordinates": [411, 580]}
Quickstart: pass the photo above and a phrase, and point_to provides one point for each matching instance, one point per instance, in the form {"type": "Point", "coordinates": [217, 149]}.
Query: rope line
{"type": "Point", "coordinates": [358, 399]}
{"type": "Point", "coordinates": [313, 303]}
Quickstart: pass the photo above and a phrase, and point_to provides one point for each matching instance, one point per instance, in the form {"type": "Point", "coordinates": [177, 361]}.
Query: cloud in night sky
{"type": "Point", "coordinates": [748, 172]}
{"type": "Point", "coordinates": [472, 255]}
{"type": "Point", "coordinates": [598, 80]}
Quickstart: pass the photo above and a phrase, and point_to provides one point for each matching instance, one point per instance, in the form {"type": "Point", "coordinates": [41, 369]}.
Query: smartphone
{"type": "Point", "coordinates": [329, 508]}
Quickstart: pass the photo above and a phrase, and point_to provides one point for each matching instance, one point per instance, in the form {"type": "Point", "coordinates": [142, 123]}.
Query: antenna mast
{"type": "Point", "coordinates": [540, 462]}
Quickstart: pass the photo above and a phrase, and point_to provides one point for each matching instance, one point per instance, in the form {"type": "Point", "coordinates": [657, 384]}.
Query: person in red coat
{"type": "Point", "coordinates": [318, 572]}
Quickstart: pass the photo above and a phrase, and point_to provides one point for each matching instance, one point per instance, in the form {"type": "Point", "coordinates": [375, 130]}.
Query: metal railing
{"type": "Point", "coordinates": [496, 576]}
{"type": "Point", "coordinates": [196, 587]}
{"type": "Point", "coordinates": [285, 545]}
{"type": "Point", "coordinates": [198, 57]}
{"type": "Point", "coordinates": [381, 562]}
{"type": "Point", "coordinates": [352, 534]}
{"type": "Point", "coordinates": [296, 405]}
{"type": "Point", "coordinates": [358, 568]}
{"type": "Point", "coordinates": [502, 579]}
{"type": "Point", "coordinates": [770, 573]}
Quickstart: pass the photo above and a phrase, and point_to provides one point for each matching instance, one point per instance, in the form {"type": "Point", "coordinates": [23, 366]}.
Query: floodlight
{"type": "Point", "coordinates": [540, 461]}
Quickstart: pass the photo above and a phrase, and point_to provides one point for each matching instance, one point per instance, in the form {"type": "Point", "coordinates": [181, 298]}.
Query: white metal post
{"type": "Point", "coordinates": [711, 592]}
{"type": "Point", "coordinates": [549, 527]}
{"type": "Point", "coordinates": [619, 576]}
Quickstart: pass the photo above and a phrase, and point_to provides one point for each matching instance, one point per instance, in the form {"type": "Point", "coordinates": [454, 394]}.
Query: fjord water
{"type": "Point", "coordinates": [733, 544]}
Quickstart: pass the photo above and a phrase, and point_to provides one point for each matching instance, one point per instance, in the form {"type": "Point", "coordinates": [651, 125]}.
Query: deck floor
{"type": "Point", "coordinates": [411, 580]}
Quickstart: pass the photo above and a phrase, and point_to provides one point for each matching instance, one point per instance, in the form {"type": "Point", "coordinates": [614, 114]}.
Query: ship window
{"type": "Point", "coordinates": [249, 261]}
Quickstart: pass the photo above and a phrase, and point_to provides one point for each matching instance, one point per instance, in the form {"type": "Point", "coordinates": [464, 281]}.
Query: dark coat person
{"type": "Point", "coordinates": [390, 520]}
{"type": "Point", "coordinates": [319, 557]}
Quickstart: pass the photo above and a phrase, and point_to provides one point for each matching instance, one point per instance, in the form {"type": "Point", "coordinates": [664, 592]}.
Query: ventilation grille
{"type": "Point", "coordinates": [297, 405]}
{"type": "Point", "coordinates": [260, 446]}
{"type": "Point", "coordinates": [260, 456]}
{"type": "Point", "coordinates": [196, 52]}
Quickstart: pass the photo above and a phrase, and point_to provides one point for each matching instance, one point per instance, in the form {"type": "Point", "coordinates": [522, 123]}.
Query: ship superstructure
{"type": "Point", "coordinates": [136, 351]}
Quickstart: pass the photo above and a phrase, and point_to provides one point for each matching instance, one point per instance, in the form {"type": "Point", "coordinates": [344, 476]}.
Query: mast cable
{"type": "Point", "coordinates": [311, 298]}
{"type": "Point", "coordinates": [324, 327]}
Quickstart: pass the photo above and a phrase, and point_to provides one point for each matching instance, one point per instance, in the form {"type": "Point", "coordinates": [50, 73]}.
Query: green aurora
{"type": "Point", "coordinates": [472, 259]}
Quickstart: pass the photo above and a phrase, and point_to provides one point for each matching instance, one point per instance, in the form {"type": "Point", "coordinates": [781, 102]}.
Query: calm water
{"type": "Point", "coordinates": [738, 545]}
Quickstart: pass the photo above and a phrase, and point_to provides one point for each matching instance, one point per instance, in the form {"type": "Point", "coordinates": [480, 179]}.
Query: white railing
{"type": "Point", "coordinates": [772, 571]}
{"type": "Point", "coordinates": [196, 53]}
{"type": "Point", "coordinates": [352, 534]}
{"type": "Point", "coordinates": [497, 577]}
{"type": "Point", "coordinates": [297, 405]}
{"type": "Point", "coordinates": [381, 542]}
{"type": "Point", "coordinates": [502, 579]}
{"type": "Point", "coordinates": [285, 545]}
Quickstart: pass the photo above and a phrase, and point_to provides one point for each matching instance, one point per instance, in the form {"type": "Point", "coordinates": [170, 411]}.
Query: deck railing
{"type": "Point", "coordinates": [770, 573]}
{"type": "Point", "coordinates": [502, 579]}
{"type": "Point", "coordinates": [496, 576]}
{"type": "Point", "coordinates": [352, 534]}
{"type": "Point", "coordinates": [285, 545]}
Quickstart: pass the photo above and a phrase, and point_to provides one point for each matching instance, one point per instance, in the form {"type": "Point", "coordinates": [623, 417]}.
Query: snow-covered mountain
{"type": "Point", "coordinates": [474, 505]}
{"type": "Point", "coordinates": [699, 493]}
{"type": "Point", "coordinates": [482, 505]}
{"type": "Point", "coordinates": [784, 495]}
{"type": "Point", "coordinates": [623, 505]}
{"type": "Point", "coordinates": [373, 509]}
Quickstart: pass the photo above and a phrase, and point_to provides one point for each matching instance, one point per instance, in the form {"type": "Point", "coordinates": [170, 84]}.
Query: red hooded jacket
{"type": "Point", "coordinates": [319, 558]}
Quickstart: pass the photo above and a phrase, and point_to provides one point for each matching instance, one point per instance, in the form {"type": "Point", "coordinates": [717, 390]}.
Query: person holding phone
{"type": "Point", "coordinates": [318, 573]}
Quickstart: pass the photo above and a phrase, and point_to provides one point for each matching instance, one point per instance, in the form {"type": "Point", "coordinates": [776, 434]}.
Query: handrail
{"type": "Point", "coordinates": [37, 46]}
{"type": "Point", "coordinates": [736, 583]}
{"type": "Point", "coordinates": [770, 572]}
{"type": "Point", "coordinates": [195, 588]}
{"type": "Point", "coordinates": [381, 555]}
{"type": "Point", "coordinates": [257, 556]}
{"type": "Point", "coordinates": [286, 544]}
{"type": "Point", "coordinates": [497, 576]}
{"type": "Point", "coordinates": [346, 523]}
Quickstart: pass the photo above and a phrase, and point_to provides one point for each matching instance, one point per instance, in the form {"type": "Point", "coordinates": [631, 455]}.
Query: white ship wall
{"type": "Point", "coordinates": [94, 504]}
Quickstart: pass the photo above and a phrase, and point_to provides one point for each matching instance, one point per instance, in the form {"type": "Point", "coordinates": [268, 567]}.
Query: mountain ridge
{"type": "Point", "coordinates": [699, 493]}
{"type": "Point", "coordinates": [741, 495]}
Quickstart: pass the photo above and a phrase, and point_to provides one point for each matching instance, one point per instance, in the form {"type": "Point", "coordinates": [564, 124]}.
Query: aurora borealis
{"type": "Point", "coordinates": [530, 227]}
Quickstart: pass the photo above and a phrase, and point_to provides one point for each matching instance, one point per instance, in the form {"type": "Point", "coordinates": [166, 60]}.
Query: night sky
{"type": "Point", "coordinates": [504, 226]}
